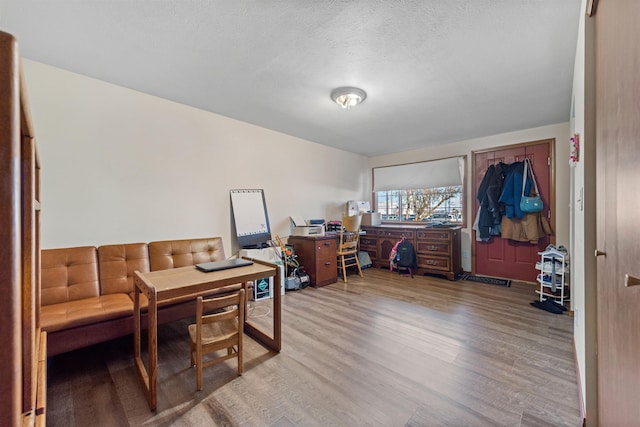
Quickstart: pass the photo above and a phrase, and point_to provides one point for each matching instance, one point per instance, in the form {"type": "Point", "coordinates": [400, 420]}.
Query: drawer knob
{"type": "Point", "coordinates": [327, 263]}
{"type": "Point", "coordinates": [432, 247]}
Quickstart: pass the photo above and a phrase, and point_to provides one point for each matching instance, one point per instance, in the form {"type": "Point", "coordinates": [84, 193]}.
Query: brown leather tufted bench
{"type": "Point", "coordinates": [87, 292]}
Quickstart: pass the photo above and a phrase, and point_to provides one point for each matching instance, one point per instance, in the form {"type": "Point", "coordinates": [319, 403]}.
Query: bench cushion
{"type": "Point", "coordinates": [70, 314]}
{"type": "Point", "coordinates": [69, 274]}
{"type": "Point", "coordinates": [117, 263]}
{"type": "Point", "coordinates": [168, 254]}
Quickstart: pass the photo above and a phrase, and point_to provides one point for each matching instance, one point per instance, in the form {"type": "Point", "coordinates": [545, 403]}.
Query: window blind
{"type": "Point", "coordinates": [430, 174]}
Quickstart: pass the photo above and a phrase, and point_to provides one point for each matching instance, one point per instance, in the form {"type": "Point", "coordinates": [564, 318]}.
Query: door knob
{"type": "Point", "coordinates": [631, 281]}
{"type": "Point", "coordinates": [600, 253]}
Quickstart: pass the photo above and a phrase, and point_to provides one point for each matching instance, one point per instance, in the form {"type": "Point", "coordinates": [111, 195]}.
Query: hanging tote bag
{"type": "Point", "coordinates": [530, 203]}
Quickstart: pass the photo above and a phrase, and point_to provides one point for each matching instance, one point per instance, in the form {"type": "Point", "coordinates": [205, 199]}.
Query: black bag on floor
{"type": "Point", "coordinates": [406, 255]}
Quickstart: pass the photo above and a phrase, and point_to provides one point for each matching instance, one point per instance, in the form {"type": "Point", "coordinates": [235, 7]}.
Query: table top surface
{"type": "Point", "coordinates": [188, 279]}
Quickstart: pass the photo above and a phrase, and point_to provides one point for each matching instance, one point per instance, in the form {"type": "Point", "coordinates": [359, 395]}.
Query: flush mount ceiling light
{"type": "Point", "coordinates": [348, 97]}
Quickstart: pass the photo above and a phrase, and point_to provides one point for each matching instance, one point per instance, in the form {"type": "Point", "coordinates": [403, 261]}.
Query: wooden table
{"type": "Point", "coordinates": [185, 282]}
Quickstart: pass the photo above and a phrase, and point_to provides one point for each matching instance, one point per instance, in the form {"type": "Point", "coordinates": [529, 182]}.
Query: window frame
{"type": "Point", "coordinates": [463, 195]}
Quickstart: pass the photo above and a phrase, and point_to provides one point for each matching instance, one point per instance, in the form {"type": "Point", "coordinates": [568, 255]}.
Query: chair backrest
{"type": "Point", "coordinates": [216, 329]}
{"type": "Point", "coordinates": [350, 232]}
{"type": "Point", "coordinates": [208, 310]}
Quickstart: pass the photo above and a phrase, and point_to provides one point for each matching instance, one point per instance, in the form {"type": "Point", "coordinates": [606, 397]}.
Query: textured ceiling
{"type": "Point", "coordinates": [435, 71]}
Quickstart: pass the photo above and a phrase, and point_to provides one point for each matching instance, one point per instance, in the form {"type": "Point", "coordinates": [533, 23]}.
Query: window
{"type": "Point", "coordinates": [431, 191]}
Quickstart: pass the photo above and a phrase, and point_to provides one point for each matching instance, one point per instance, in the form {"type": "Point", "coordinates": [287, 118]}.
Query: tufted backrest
{"type": "Point", "coordinates": [116, 264]}
{"type": "Point", "coordinates": [181, 253]}
{"type": "Point", "coordinates": [69, 274]}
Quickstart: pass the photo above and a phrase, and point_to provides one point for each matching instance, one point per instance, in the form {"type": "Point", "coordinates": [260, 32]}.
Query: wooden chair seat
{"type": "Point", "coordinates": [215, 332]}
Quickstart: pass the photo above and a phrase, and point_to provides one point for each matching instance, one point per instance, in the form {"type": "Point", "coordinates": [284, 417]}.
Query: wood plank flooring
{"type": "Point", "coordinates": [383, 350]}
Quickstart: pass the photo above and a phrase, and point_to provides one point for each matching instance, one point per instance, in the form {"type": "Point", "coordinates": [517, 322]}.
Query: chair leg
{"type": "Point", "coordinates": [240, 359]}
{"type": "Point", "coordinates": [344, 269]}
{"type": "Point", "coordinates": [358, 264]}
{"type": "Point", "coordinates": [199, 369]}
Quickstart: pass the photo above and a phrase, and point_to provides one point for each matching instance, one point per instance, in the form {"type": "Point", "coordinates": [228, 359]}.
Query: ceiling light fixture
{"type": "Point", "coordinates": [348, 97]}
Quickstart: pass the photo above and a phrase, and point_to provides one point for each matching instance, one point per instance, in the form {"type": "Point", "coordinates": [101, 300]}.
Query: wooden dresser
{"type": "Point", "coordinates": [317, 254]}
{"type": "Point", "coordinates": [437, 249]}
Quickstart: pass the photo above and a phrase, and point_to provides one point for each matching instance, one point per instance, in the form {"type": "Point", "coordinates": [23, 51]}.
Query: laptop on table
{"type": "Point", "coordinates": [208, 267]}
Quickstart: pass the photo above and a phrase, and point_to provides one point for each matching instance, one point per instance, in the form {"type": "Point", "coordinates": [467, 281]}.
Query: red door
{"type": "Point", "coordinates": [503, 257]}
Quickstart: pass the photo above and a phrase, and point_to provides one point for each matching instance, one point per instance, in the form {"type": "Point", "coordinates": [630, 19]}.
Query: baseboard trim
{"type": "Point", "coordinates": [583, 415]}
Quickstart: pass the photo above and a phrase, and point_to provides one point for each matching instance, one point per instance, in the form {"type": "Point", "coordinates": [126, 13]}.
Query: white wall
{"type": "Point", "coordinates": [121, 166]}
{"type": "Point", "coordinates": [559, 131]}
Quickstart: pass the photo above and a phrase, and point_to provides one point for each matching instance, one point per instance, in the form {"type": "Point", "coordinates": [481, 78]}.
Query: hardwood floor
{"type": "Point", "coordinates": [383, 350]}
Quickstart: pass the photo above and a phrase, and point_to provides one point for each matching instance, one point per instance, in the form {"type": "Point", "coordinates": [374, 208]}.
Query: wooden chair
{"type": "Point", "coordinates": [219, 325]}
{"type": "Point", "coordinates": [348, 245]}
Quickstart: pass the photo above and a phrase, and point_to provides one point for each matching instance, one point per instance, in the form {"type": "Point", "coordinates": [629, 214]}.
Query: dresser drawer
{"type": "Point", "coordinates": [368, 242]}
{"type": "Point", "coordinates": [434, 234]}
{"type": "Point", "coordinates": [434, 262]}
{"type": "Point", "coordinates": [397, 234]}
{"type": "Point", "coordinates": [433, 247]}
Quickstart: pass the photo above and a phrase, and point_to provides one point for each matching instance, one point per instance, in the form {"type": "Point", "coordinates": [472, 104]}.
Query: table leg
{"type": "Point", "coordinates": [136, 324]}
{"type": "Point", "coordinates": [153, 351]}
{"type": "Point", "coordinates": [277, 312]}
{"type": "Point", "coordinates": [272, 342]}
{"type": "Point", "coordinates": [148, 378]}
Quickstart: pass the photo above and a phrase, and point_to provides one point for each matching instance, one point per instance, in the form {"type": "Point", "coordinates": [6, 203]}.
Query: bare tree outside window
{"type": "Point", "coordinates": [425, 202]}
{"type": "Point", "coordinates": [421, 205]}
